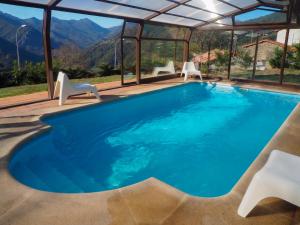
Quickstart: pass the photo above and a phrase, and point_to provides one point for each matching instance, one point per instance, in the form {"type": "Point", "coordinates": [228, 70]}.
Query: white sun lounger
{"type": "Point", "coordinates": [168, 68]}
{"type": "Point", "coordinates": [64, 88]}
{"type": "Point", "coordinates": [190, 69]}
{"type": "Point", "coordinates": [280, 177]}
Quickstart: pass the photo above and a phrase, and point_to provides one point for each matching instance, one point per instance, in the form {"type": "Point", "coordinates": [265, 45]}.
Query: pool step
{"type": "Point", "coordinates": [54, 179]}
{"type": "Point", "coordinates": [27, 177]}
{"type": "Point", "coordinates": [78, 176]}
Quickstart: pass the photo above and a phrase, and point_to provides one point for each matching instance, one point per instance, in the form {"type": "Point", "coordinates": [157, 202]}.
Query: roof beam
{"type": "Point", "coordinates": [275, 4]}
{"type": "Point", "coordinates": [24, 3]}
{"type": "Point", "coordinates": [53, 3]}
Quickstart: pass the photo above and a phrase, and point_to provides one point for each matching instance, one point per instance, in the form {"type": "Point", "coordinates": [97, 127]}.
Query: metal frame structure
{"type": "Point", "coordinates": [286, 6]}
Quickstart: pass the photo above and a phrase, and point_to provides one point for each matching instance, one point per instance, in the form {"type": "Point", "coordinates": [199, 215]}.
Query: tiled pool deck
{"type": "Point", "coordinates": [150, 202]}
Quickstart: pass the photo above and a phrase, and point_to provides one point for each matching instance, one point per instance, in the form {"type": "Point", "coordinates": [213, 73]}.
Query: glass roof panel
{"type": "Point", "coordinates": [213, 6]}
{"type": "Point", "coordinates": [193, 13]}
{"type": "Point", "coordinates": [225, 21]}
{"type": "Point", "coordinates": [45, 2]}
{"type": "Point", "coordinates": [153, 4]}
{"type": "Point", "coordinates": [243, 3]}
{"type": "Point", "coordinates": [106, 8]}
{"type": "Point", "coordinates": [176, 20]}
{"type": "Point", "coordinates": [259, 16]}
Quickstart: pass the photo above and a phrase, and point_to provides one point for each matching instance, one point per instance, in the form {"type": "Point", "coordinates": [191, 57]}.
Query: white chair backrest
{"type": "Point", "coordinates": [64, 80]}
{"type": "Point", "coordinates": [170, 64]}
{"type": "Point", "coordinates": [190, 66]}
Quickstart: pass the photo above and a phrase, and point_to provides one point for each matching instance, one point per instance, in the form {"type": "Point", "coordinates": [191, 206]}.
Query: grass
{"type": "Point", "coordinates": [29, 89]}
{"type": "Point", "coordinates": [290, 75]}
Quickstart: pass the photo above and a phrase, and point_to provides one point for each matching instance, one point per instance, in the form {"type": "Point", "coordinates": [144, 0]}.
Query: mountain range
{"type": "Point", "coordinates": [82, 33]}
{"type": "Point", "coordinates": [82, 42]}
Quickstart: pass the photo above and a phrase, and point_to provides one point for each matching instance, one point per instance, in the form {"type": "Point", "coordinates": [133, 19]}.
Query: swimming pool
{"type": "Point", "coordinates": [197, 137]}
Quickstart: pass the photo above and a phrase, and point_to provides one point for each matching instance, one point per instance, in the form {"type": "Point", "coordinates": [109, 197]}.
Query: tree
{"type": "Point", "coordinates": [69, 56]}
{"type": "Point", "coordinates": [106, 70]}
{"type": "Point", "coordinates": [295, 59]}
{"type": "Point", "coordinates": [244, 58]}
{"type": "Point", "coordinates": [275, 61]}
{"type": "Point", "coordinates": [222, 59]}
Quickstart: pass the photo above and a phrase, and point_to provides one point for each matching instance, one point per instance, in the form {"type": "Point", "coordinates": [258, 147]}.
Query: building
{"type": "Point", "coordinates": [294, 37]}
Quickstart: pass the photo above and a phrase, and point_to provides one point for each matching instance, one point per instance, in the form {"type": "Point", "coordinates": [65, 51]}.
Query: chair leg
{"type": "Point", "coordinates": [56, 89]}
{"type": "Point", "coordinates": [62, 99]}
{"type": "Point", "coordinates": [63, 96]}
{"type": "Point", "coordinates": [186, 77]}
{"type": "Point", "coordinates": [200, 77]}
{"type": "Point", "coordinates": [95, 91]}
{"type": "Point", "coordinates": [256, 192]}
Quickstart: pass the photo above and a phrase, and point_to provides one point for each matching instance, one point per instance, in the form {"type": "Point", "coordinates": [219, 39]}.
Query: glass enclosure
{"type": "Point", "coordinates": [85, 51]}
{"type": "Point", "coordinates": [292, 65]}
{"type": "Point", "coordinates": [243, 50]}
{"type": "Point", "coordinates": [22, 66]}
{"type": "Point", "coordinates": [219, 53]}
{"type": "Point", "coordinates": [199, 50]}
{"type": "Point", "coordinates": [269, 56]}
{"type": "Point", "coordinates": [129, 46]}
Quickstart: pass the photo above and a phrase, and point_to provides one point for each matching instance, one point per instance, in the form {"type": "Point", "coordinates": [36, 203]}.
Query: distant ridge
{"type": "Point", "coordinates": [82, 33]}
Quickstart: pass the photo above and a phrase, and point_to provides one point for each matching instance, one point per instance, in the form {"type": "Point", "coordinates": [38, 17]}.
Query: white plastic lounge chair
{"type": "Point", "coordinates": [190, 69]}
{"type": "Point", "coordinates": [64, 88]}
{"type": "Point", "coordinates": [280, 177]}
{"type": "Point", "coordinates": [168, 68]}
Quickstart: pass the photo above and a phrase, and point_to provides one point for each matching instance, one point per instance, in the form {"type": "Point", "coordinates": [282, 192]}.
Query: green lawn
{"type": "Point", "coordinates": [28, 89]}
{"type": "Point", "coordinates": [290, 75]}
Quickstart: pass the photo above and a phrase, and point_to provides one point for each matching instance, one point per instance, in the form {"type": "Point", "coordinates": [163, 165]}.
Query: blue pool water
{"type": "Point", "coordinates": [199, 138]}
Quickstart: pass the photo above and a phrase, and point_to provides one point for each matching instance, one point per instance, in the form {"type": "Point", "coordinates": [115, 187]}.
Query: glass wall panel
{"type": "Point", "coordinates": [269, 55]}
{"type": "Point", "coordinates": [211, 49]}
{"type": "Point", "coordinates": [219, 53]}
{"type": "Point", "coordinates": [21, 77]}
{"type": "Point", "coordinates": [159, 58]}
{"type": "Point", "coordinates": [178, 56]}
{"type": "Point", "coordinates": [129, 46]}
{"type": "Point", "coordinates": [163, 32]}
{"type": "Point", "coordinates": [199, 47]}
{"type": "Point", "coordinates": [131, 29]}
{"type": "Point", "coordinates": [243, 54]}
{"type": "Point", "coordinates": [292, 65]}
{"type": "Point", "coordinates": [85, 50]}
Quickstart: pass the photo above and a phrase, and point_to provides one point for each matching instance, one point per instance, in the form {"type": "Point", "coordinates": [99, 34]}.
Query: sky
{"type": "Point", "coordinates": [252, 15]}
{"type": "Point", "coordinates": [26, 12]}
